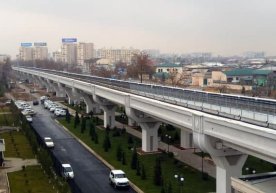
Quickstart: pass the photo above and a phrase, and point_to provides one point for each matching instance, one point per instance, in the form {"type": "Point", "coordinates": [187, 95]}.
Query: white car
{"type": "Point", "coordinates": [47, 103]}
{"type": "Point", "coordinates": [60, 112]}
{"type": "Point", "coordinates": [28, 112]}
{"type": "Point", "coordinates": [53, 107]}
{"type": "Point", "coordinates": [67, 171]}
{"type": "Point", "coordinates": [29, 118]}
{"type": "Point", "coordinates": [118, 178]}
{"type": "Point", "coordinates": [49, 142]}
{"type": "Point", "coordinates": [43, 98]}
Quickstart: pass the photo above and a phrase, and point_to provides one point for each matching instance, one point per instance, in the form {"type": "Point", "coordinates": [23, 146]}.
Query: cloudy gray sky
{"type": "Point", "coordinates": [224, 27]}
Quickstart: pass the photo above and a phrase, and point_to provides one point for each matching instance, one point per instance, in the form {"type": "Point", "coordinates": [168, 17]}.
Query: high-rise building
{"type": "Point", "coordinates": [57, 56]}
{"type": "Point", "coordinates": [69, 53]}
{"type": "Point", "coordinates": [40, 52]}
{"type": "Point", "coordinates": [25, 53]}
{"type": "Point", "coordinates": [254, 55]}
{"type": "Point", "coordinates": [85, 51]}
{"type": "Point", "coordinates": [153, 53]}
{"type": "Point", "coordinates": [4, 58]}
{"type": "Point", "coordinates": [29, 53]}
{"type": "Point", "coordinates": [117, 55]}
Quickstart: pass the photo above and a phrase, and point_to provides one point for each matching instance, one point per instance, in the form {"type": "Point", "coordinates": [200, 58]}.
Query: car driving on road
{"type": "Point", "coordinates": [67, 171]}
{"type": "Point", "coordinates": [49, 142]}
{"type": "Point", "coordinates": [118, 178]}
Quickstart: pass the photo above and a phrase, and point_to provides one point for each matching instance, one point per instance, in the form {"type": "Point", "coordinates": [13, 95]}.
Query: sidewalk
{"type": "Point", "coordinates": [12, 165]}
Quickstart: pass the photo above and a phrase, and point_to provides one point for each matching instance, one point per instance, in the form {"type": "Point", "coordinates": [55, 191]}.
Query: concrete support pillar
{"type": "Point", "coordinates": [61, 90]}
{"type": "Point", "coordinates": [49, 86]}
{"type": "Point", "coordinates": [150, 136]}
{"type": "Point", "coordinates": [186, 139]}
{"type": "Point", "coordinates": [229, 162]}
{"type": "Point", "coordinates": [149, 127]}
{"type": "Point", "coordinates": [109, 115]}
{"type": "Point", "coordinates": [131, 122]}
{"type": "Point", "coordinates": [90, 104]}
{"type": "Point", "coordinates": [44, 83]}
{"type": "Point", "coordinates": [38, 82]}
{"type": "Point", "coordinates": [109, 110]}
{"type": "Point", "coordinates": [227, 167]}
{"type": "Point", "coordinates": [30, 78]}
{"type": "Point", "coordinates": [73, 95]}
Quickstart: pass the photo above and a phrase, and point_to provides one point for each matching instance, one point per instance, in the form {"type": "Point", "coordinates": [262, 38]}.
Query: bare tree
{"type": "Point", "coordinates": [177, 78]}
{"type": "Point", "coordinates": [141, 64]}
{"type": "Point", "coordinates": [102, 71]}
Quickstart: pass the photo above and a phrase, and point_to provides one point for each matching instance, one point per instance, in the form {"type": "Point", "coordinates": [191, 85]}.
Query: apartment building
{"type": "Point", "coordinates": [25, 53]}
{"type": "Point", "coordinates": [116, 55]}
{"type": "Point", "coordinates": [40, 53]}
{"type": "Point", "coordinates": [85, 51]}
{"type": "Point", "coordinates": [4, 58]}
{"type": "Point", "coordinates": [57, 56]}
{"type": "Point", "coordinates": [69, 53]}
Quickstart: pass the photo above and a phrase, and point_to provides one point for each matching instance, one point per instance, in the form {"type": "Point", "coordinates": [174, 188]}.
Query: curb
{"type": "Point", "coordinates": [8, 183]}
{"type": "Point", "coordinates": [97, 155]}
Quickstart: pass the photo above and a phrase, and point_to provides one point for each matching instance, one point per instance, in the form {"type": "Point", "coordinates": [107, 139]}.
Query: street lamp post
{"type": "Point", "coordinates": [168, 137]}
{"type": "Point", "coordinates": [180, 180]}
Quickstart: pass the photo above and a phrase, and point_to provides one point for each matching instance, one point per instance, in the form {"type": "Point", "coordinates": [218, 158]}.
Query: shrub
{"type": "Point", "coordinates": [130, 139]}
{"type": "Point", "coordinates": [134, 159]}
{"type": "Point", "coordinates": [205, 176]}
{"type": "Point", "coordinates": [119, 153]}
{"type": "Point", "coordinates": [123, 158]}
{"type": "Point", "coordinates": [158, 173]}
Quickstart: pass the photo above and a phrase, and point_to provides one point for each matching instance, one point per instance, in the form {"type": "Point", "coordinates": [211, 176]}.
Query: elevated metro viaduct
{"type": "Point", "coordinates": [227, 141]}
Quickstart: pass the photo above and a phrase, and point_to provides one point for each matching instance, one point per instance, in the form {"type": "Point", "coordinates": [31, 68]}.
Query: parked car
{"type": "Point", "coordinates": [35, 102]}
{"type": "Point", "coordinates": [29, 118]}
{"type": "Point", "coordinates": [47, 103]}
{"type": "Point", "coordinates": [28, 112]}
{"type": "Point", "coordinates": [67, 171]}
{"type": "Point", "coordinates": [54, 107]}
{"type": "Point", "coordinates": [60, 112]}
{"type": "Point", "coordinates": [117, 178]}
{"type": "Point", "coordinates": [8, 102]}
{"type": "Point", "coordinates": [49, 142]}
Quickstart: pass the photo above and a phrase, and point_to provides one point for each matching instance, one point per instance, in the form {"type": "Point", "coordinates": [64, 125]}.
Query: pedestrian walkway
{"type": "Point", "coordinates": [12, 165]}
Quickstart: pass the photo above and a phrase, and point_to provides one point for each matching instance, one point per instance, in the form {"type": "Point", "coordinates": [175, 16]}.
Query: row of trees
{"type": "Point", "coordinates": [141, 67]}
{"type": "Point", "coordinates": [5, 69]}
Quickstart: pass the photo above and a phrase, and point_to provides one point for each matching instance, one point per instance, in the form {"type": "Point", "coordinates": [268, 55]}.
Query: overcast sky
{"type": "Point", "coordinates": [224, 27]}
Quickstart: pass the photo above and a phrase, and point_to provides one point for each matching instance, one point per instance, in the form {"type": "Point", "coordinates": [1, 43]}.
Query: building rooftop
{"type": "Point", "coordinates": [247, 72]}
{"type": "Point", "coordinates": [169, 65]}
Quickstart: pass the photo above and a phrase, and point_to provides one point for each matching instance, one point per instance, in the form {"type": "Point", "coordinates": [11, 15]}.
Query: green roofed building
{"type": "Point", "coordinates": [248, 76]}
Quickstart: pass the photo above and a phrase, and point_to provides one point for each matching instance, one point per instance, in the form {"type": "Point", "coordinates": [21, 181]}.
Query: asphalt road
{"type": "Point", "coordinates": [91, 175]}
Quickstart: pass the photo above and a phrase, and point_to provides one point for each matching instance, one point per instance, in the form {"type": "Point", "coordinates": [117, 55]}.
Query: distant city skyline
{"type": "Point", "coordinates": [222, 27]}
